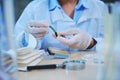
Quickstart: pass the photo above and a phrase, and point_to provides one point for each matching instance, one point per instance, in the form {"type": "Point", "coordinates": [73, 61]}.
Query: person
{"type": "Point", "coordinates": [79, 22]}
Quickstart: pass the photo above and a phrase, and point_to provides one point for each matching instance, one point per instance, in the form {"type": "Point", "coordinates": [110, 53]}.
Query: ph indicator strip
{"type": "Point", "coordinates": [55, 31]}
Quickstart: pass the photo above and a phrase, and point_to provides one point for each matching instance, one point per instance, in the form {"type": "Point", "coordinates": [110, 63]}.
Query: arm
{"type": "Point", "coordinates": [19, 30]}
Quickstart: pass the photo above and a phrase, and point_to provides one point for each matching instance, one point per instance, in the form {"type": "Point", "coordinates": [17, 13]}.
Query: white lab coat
{"type": "Point", "coordinates": [91, 21]}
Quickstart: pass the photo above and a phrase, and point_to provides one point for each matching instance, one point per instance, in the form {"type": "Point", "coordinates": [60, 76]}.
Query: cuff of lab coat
{"type": "Point", "coordinates": [99, 45]}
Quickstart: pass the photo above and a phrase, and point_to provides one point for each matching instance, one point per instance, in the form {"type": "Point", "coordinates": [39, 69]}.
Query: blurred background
{"type": "Point", "coordinates": [10, 11]}
{"type": "Point", "coordinates": [19, 6]}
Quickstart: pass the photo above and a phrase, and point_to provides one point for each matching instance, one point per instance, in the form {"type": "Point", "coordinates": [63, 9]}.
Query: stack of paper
{"type": "Point", "coordinates": [28, 57]}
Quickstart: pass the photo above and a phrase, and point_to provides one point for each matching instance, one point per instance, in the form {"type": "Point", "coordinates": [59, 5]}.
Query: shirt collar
{"type": "Point", "coordinates": [82, 4]}
{"type": "Point", "coordinates": [53, 4]}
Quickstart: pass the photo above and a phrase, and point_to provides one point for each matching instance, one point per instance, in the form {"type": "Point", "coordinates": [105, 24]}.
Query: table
{"type": "Point", "coordinates": [89, 73]}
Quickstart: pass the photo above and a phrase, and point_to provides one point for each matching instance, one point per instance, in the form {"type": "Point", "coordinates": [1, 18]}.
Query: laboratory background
{"type": "Point", "coordinates": [10, 10]}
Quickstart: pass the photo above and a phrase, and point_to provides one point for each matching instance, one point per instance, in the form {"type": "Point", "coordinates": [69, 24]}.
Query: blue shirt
{"type": "Point", "coordinates": [78, 9]}
{"type": "Point", "coordinates": [88, 16]}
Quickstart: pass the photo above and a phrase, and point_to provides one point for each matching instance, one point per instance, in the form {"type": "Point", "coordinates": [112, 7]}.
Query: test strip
{"type": "Point", "coordinates": [56, 34]}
